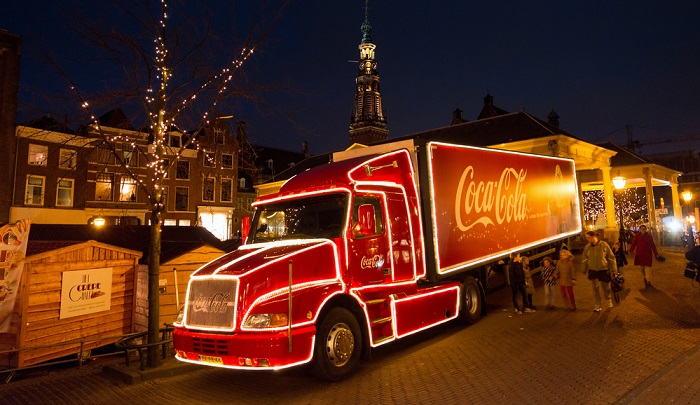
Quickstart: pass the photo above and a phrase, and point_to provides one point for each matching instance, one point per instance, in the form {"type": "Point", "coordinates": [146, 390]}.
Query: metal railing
{"type": "Point", "coordinates": [127, 346]}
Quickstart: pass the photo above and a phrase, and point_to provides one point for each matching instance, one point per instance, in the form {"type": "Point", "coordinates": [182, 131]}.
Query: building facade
{"type": "Point", "coordinates": [105, 175]}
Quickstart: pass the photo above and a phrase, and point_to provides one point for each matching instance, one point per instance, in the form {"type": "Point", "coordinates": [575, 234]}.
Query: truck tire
{"type": "Point", "coordinates": [471, 301]}
{"type": "Point", "coordinates": [338, 345]}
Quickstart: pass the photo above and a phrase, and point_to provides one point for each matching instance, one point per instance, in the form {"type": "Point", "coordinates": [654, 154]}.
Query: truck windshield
{"type": "Point", "coordinates": [315, 217]}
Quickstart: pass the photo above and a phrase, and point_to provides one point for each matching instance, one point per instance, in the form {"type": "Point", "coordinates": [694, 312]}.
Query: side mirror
{"type": "Point", "coordinates": [366, 221]}
{"type": "Point", "coordinates": [245, 228]}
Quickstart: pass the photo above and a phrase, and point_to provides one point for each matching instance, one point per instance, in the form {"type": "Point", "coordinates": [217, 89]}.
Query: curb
{"type": "Point", "coordinates": [133, 375]}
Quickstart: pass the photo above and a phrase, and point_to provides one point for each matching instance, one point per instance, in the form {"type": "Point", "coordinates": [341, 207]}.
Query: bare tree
{"type": "Point", "coordinates": [169, 76]}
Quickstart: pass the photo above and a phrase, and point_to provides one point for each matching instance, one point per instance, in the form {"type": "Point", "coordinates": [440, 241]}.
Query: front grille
{"type": "Point", "coordinates": [210, 347]}
{"type": "Point", "coordinates": [211, 304]}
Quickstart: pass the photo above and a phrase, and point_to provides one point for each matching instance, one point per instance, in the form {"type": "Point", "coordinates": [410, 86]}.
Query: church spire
{"type": "Point", "coordinates": [368, 122]}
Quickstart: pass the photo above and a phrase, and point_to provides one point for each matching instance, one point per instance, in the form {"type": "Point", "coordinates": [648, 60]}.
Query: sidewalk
{"type": "Point", "coordinates": [645, 350]}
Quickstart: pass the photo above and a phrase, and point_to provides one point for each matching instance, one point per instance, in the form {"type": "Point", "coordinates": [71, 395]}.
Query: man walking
{"type": "Point", "coordinates": [644, 243]}
{"type": "Point", "coordinates": [599, 262]}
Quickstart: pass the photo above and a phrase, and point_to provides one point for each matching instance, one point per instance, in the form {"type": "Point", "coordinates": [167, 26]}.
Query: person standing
{"type": "Point", "coordinates": [548, 281]}
{"type": "Point", "coordinates": [643, 243]}
{"type": "Point", "coordinates": [599, 262]}
{"type": "Point", "coordinates": [565, 275]}
{"type": "Point", "coordinates": [529, 285]}
{"type": "Point", "coordinates": [517, 282]}
{"type": "Point", "coordinates": [620, 257]}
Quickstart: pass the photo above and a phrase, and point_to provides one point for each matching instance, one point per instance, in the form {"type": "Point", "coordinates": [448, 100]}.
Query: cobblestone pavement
{"type": "Point", "coordinates": [644, 350]}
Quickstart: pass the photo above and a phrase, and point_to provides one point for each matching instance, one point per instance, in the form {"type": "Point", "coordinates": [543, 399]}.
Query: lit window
{"type": "Point", "coordinates": [128, 155]}
{"type": "Point", "coordinates": [64, 194]}
{"type": "Point", "coordinates": [183, 170]}
{"type": "Point", "coordinates": [208, 189]}
{"type": "Point", "coordinates": [182, 202]}
{"type": "Point", "coordinates": [38, 154]}
{"type": "Point", "coordinates": [226, 190]}
{"type": "Point", "coordinates": [184, 222]}
{"type": "Point", "coordinates": [169, 222]}
{"type": "Point", "coordinates": [67, 158]}
{"type": "Point", "coordinates": [103, 187]}
{"type": "Point", "coordinates": [210, 159]}
{"type": "Point", "coordinates": [127, 190]}
{"type": "Point", "coordinates": [227, 161]}
{"type": "Point", "coordinates": [35, 190]}
{"type": "Point", "coordinates": [241, 182]}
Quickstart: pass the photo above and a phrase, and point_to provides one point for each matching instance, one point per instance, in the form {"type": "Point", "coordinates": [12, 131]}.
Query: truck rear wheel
{"type": "Point", "coordinates": [471, 301]}
{"type": "Point", "coordinates": [338, 345]}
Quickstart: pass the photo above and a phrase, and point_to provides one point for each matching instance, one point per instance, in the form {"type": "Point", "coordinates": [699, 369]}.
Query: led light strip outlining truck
{"type": "Point", "coordinates": [383, 242]}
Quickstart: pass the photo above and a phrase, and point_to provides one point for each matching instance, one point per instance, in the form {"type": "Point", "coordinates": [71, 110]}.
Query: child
{"type": "Point", "coordinates": [565, 273]}
{"type": "Point", "coordinates": [620, 257]}
{"type": "Point", "coordinates": [517, 281]}
{"type": "Point", "coordinates": [549, 281]}
{"type": "Point", "coordinates": [529, 286]}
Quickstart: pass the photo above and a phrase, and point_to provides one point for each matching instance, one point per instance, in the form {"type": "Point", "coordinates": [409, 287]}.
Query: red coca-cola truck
{"type": "Point", "coordinates": [383, 242]}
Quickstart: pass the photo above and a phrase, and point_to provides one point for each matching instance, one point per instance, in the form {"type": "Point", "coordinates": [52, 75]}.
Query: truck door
{"type": "Point", "coordinates": [403, 259]}
{"type": "Point", "coordinates": [369, 256]}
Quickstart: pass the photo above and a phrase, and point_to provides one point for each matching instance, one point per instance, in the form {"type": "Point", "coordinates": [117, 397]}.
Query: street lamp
{"type": "Point", "coordinates": [619, 183]}
{"type": "Point", "coordinates": [687, 197]}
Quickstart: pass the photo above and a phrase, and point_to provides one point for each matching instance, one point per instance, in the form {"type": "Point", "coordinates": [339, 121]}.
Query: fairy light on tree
{"type": "Point", "coordinates": [631, 202]}
{"type": "Point", "coordinates": [170, 94]}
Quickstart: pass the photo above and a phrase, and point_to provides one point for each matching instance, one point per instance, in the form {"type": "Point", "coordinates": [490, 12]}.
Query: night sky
{"type": "Point", "coordinates": [601, 65]}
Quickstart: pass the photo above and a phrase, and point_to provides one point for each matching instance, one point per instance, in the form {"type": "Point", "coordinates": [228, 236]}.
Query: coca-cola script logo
{"type": "Point", "coordinates": [375, 261]}
{"type": "Point", "coordinates": [492, 201]}
{"type": "Point", "coordinates": [216, 304]}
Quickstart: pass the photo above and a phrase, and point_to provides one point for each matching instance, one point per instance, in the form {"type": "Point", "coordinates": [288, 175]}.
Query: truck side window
{"type": "Point", "coordinates": [361, 208]}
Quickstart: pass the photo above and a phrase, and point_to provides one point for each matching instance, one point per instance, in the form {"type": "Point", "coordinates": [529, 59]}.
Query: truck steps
{"type": "Point", "coordinates": [380, 321]}
{"type": "Point", "coordinates": [381, 340]}
{"type": "Point", "coordinates": [375, 301]}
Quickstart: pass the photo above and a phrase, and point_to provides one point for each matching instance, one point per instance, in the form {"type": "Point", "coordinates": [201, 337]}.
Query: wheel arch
{"type": "Point", "coordinates": [352, 305]}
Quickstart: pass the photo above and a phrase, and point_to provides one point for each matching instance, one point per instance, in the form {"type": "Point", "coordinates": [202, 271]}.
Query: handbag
{"type": "Point", "coordinates": [691, 271]}
{"type": "Point", "coordinates": [617, 282]}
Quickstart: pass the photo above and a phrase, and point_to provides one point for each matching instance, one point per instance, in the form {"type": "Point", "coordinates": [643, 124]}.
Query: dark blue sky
{"type": "Point", "coordinates": [600, 65]}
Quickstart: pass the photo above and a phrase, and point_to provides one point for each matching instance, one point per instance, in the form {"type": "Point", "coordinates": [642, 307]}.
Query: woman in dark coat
{"type": "Point", "coordinates": [644, 244]}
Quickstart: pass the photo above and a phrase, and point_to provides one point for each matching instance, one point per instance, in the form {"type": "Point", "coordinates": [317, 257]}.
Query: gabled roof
{"type": "Point", "coordinates": [511, 127]}
{"type": "Point", "coordinates": [624, 157]}
{"type": "Point", "coordinates": [175, 240]}
{"type": "Point", "coordinates": [49, 124]}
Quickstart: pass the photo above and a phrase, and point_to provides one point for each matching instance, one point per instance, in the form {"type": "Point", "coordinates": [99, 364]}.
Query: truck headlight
{"type": "Point", "coordinates": [266, 320]}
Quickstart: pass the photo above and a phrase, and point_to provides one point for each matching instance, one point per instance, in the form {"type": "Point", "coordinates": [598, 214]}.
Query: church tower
{"type": "Point", "coordinates": [368, 122]}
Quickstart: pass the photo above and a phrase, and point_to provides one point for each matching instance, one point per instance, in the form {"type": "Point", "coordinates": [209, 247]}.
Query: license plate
{"type": "Point", "coordinates": [211, 359]}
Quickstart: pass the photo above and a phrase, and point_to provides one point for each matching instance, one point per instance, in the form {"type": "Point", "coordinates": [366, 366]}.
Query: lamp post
{"type": "Point", "coordinates": [687, 197]}
{"type": "Point", "coordinates": [619, 184]}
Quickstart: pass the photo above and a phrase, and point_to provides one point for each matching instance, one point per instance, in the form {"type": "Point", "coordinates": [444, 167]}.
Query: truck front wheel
{"type": "Point", "coordinates": [338, 345]}
{"type": "Point", "coordinates": [472, 301]}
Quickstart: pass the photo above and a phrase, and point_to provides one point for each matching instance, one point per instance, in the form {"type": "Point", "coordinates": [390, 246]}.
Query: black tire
{"type": "Point", "coordinates": [471, 301]}
{"type": "Point", "coordinates": [338, 345]}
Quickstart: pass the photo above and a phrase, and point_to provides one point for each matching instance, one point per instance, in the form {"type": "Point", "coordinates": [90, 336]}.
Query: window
{"type": "Point", "coordinates": [38, 154]}
{"type": "Point", "coordinates": [226, 190]}
{"type": "Point", "coordinates": [175, 141]}
{"type": "Point", "coordinates": [227, 161]}
{"type": "Point", "coordinates": [103, 187]}
{"type": "Point", "coordinates": [208, 189]}
{"type": "Point", "coordinates": [169, 222]}
{"type": "Point", "coordinates": [219, 136]}
{"type": "Point", "coordinates": [182, 199]}
{"type": "Point", "coordinates": [67, 158]}
{"type": "Point", "coordinates": [64, 194]}
{"type": "Point", "coordinates": [210, 159]}
{"type": "Point", "coordinates": [128, 155]}
{"type": "Point", "coordinates": [165, 198]}
{"type": "Point", "coordinates": [104, 155]}
{"type": "Point", "coordinates": [164, 167]}
{"type": "Point", "coordinates": [35, 190]}
{"type": "Point", "coordinates": [241, 182]}
{"type": "Point", "coordinates": [239, 203]}
{"type": "Point", "coordinates": [127, 190]}
{"type": "Point", "coordinates": [376, 220]}
{"type": "Point", "coordinates": [183, 170]}
{"type": "Point", "coordinates": [184, 222]}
